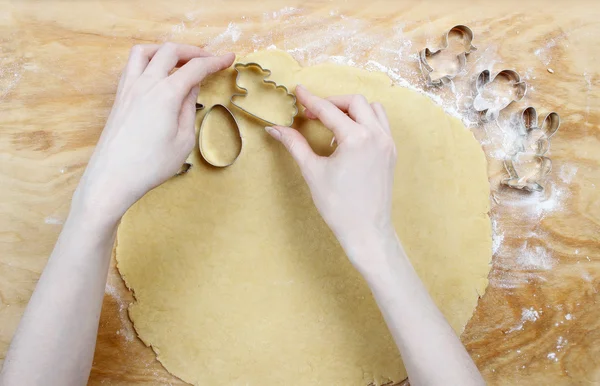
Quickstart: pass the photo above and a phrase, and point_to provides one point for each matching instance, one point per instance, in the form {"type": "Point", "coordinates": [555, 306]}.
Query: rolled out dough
{"type": "Point", "coordinates": [237, 279]}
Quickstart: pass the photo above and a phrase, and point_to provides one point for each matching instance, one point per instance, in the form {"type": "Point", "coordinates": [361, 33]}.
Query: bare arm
{"type": "Point", "coordinates": [148, 136]}
{"type": "Point", "coordinates": [352, 190]}
{"type": "Point", "coordinates": [431, 351]}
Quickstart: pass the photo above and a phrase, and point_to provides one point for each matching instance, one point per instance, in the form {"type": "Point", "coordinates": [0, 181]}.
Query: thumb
{"type": "Point", "coordinates": [294, 142]}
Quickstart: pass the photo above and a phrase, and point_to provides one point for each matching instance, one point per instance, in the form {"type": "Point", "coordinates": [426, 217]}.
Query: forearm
{"type": "Point", "coordinates": [54, 343]}
{"type": "Point", "coordinates": [152, 125]}
{"type": "Point", "coordinates": [430, 349]}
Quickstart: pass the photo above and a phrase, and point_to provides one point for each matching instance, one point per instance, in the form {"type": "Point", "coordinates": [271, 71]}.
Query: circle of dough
{"type": "Point", "coordinates": [238, 280]}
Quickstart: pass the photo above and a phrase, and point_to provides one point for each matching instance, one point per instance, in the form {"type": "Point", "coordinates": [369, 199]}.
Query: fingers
{"type": "Point", "coordinates": [357, 107]}
{"type": "Point", "coordinates": [169, 55]}
{"type": "Point", "coordinates": [381, 115]}
{"type": "Point", "coordinates": [294, 142]}
{"type": "Point", "coordinates": [192, 73]}
{"type": "Point", "coordinates": [187, 116]}
{"type": "Point", "coordinates": [331, 116]}
{"type": "Point", "coordinates": [139, 57]}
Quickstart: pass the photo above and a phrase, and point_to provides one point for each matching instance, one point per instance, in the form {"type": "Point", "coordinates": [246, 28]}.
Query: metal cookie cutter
{"type": "Point", "coordinates": [426, 69]}
{"type": "Point", "coordinates": [239, 66]}
{"type": "Point", "coordinates": [184, 169]}
{"type": "Point", "coordinates": [201, 131]}
{"type": "Point", "coordinates": [540, 136]}
{"type": "Point", "coordinates": [484, 78]}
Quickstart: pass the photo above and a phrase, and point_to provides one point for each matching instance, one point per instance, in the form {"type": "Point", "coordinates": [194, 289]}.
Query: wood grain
{"type": "Point", "coordinates": [539, 321]}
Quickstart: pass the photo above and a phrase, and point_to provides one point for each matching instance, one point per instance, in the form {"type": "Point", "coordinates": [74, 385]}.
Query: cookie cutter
{"type": "Point", "coordinates": [426, 68]}
{"type": "Point", "coordinates": [484, 78]}
{"type": "Point", "coordinates": [237, 67]}
{"type": "Point", "coordinates": [184, 169]}
{"type": "Point", "coordinates": [529, 125]}
{"type": "Point", "coordinates": [201, 130]}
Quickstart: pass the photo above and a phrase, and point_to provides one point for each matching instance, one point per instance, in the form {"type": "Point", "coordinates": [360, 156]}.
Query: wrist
{"type": "Point", "coordinates": [374, 252]}
{"type": "Point", "coordinates": [90, 213]}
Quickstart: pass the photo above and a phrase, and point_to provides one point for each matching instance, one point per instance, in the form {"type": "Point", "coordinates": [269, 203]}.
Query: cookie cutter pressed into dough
{"type": "Point", "coordinates": [237, 67]}
{"type": "Point", "coordinates": [529, 124]}
{"type": "Point", "coordinates": [184, 169]}
{"type": "Point", "coordinates": [426, 68]}
{"type": "Point", "coordinates": [484, 78]}
{"type": "Point", "coordinates": [201, 130]}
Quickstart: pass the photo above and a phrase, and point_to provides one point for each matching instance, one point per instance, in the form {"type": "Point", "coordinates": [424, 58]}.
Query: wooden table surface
{"type": "Point", "coordinates": [539, 321]}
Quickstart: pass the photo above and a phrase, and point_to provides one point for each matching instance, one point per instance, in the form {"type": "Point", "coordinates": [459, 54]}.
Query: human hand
{"type": "Point", "coordinates": [352, 188]}
{"type": "Point", "coordinates": [150, 130]}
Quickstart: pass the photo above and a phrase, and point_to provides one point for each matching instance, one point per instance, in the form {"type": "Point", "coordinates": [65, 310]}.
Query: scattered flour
{"type": "Point", "coordinates": [231, 35]}
{"type": "Point", "coordinates": [539, 204]}
{"type": "Point", "coordinates": [51, 220]}
{"type": "Point", "coordinates": [561, 343]}
{"type": "Point", "coordinates": [126, 330]}
{"type": "Point", "coordinates": [537, 258]}
{"type": "Point", "coordinates": [11, 71]}
{"type": "Point", "coordinates": [283, 12]}
{"type": "Point", "coordinates": [497, 236]}
{"type": "Point", "coordinates": [567, 172]}
{"type": "Point", "coordinates": [527, 315]}
{"type": "Point", "coordinates": [544, 54]}
{"type": "Point", "coordinates": [568, 316]}
{"type": "Point", "coordinates": [178, 28]}
{"type": "Point", "coordinates": [588, 80]}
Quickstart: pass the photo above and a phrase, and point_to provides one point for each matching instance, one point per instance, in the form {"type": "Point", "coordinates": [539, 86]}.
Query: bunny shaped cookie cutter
{"type": "Point", "coordinates": [539, 136]}
{"type": "Point", "coordinates": [426, 68]}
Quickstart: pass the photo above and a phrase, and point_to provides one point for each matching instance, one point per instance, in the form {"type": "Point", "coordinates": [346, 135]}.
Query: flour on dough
{"type": "Point", "coordinates": [238, 280]}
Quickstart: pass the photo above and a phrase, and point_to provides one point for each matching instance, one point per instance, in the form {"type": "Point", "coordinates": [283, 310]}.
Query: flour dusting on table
{"type": "Point", "coordinates": [527, 315]}
{"type": "Point", "coordinates": [126, 330]}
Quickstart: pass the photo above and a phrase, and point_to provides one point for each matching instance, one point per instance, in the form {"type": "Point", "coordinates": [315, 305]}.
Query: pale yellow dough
{"type": "Point", "coordinates": [238, 280]}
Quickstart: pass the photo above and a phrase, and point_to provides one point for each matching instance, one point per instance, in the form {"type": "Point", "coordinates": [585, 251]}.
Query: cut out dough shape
{"type": "Point", "coordinates": [237, 278]}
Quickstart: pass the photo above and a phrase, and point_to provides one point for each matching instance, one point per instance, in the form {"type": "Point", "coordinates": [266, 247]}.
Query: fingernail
{"type": "Point", "coordinates": [300, 86]}
{"type": "Point", "coordinates": [195, 91]}
{"type": "Point", "coordinates": [273, 132]}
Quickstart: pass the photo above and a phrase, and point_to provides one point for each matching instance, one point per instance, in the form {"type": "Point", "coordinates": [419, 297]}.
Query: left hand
{"type": "Point", "coordinates": [150, 130]}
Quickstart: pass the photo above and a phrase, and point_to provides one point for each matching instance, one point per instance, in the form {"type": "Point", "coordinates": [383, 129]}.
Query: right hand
{"type": "Point", "coordinates": [352, 188]}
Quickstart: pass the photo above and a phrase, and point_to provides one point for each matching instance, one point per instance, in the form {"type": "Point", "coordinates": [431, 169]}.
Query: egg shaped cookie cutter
{"type": "Point", "coordinates": [426, 68]}
{"type": "Point", "coordinates": [201, 132]}
{"type": "Point", "coordinates": [238, 67]}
